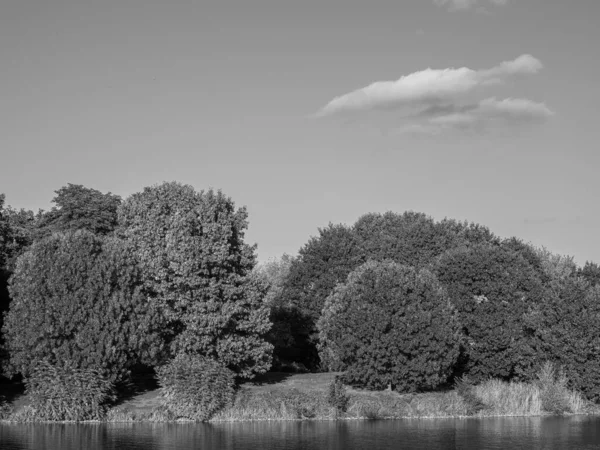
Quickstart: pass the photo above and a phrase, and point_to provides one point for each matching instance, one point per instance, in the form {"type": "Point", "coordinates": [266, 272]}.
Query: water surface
{"type": "Point", "coordinates": [571, 433]}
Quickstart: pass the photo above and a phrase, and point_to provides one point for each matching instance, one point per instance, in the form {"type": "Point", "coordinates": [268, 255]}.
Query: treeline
{"type": "Point", "coordinates": [98, 286]}
{"type": "Point", "coordinates": [404, 301]}
{"type": "Point", "coordinates": [164, 279]}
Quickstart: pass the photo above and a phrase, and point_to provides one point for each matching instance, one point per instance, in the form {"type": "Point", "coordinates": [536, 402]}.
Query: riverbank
{"type": "Point", "coordinates": [286, 396]}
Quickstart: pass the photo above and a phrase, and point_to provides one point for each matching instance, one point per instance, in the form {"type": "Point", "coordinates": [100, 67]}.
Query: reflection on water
{"type": "Point", "coordinates": [451, 434]}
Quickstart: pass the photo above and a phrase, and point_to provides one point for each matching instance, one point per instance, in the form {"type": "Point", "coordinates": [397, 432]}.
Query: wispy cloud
{"type": "Point", "coordinates": [463, 5]}
{"type": "Point", "coordinates": [434, 100]}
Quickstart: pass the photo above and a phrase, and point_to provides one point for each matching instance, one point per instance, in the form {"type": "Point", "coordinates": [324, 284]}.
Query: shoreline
{"type": "Point", "coordinates": [290, 397]}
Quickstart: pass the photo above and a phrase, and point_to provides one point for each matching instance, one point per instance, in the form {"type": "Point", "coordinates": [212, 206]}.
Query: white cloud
{"type": "Point", "coordinates": [434, 100]}
{"type": "Point", "coordinates": [462, 5]}
{"type": "Point", "coordinates": [429, 86]}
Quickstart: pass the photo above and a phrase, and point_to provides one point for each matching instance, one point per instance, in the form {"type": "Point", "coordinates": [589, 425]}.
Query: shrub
{"type": "Point", "coordinates": [67, 393]}
{"type": "Point", "coordinates": [337, 396]}
{"type": "Point", "coordinates": [390, 324]}
{"type": "Point", "coordinates": [195, 387]}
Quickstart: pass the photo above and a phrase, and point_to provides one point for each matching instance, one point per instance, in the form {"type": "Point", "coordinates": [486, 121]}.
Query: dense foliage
{"type": "Point", "coordinates": [165, 279]}
{"type": "Point", "coordinates": [492, 288]}
{"type": "Point", "coordinates": [590, 272]}
{"type": "Point", "coordinates": [566, 330]}
{"type": "Point", "coordinates": [67, 393]}
{"type": "Point", "coordinates": [81, 208]}
{"type": "Point", "coordinates": [411, 238]}
{"type": "Point", "coordinates": [79, 299]}
{"type": "Point", "coordinates": [196, 268]}
{"type": "Point", "coordinates": [195, 387]}
{"type": "Point", "coordinates": [390, 324]}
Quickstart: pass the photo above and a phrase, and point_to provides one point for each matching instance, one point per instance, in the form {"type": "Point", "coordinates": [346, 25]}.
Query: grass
{"type": "Point", "coordinates": [279, 396]}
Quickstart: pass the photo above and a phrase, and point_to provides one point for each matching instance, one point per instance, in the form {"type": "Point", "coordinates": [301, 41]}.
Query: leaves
{"type": "Point", "coordinates": [390, 324]}
{"type": "Point", "coordinates": [197, 268]}
{"type": "Point", "coordinates": [79, 299]}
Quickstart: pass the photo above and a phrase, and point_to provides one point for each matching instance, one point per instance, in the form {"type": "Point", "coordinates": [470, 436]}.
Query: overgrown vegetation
{"type": "Point", "coordinates": [66, 393]}
{"type": "Point", "coordinates": [164, 281]}
{"type": "Point", "coordinates": [195, 387]}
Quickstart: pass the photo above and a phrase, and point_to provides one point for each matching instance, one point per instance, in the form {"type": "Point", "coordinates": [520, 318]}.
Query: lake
{"type": "Point", "coordinates": [581, 432]}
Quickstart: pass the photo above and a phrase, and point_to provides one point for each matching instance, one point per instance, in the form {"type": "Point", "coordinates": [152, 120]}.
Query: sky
{"type": "Point", "coordinates": [314, 111]}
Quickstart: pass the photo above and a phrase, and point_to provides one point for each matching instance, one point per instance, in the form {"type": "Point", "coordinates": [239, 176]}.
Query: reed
{"type": "Point", "coordinates": [509, 399]}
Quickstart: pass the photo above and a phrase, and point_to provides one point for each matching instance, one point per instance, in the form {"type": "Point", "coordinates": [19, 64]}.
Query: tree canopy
{"type": "Point", "coordinates": [81, 208]}
{"type": "Point", "coordinates": [78, 299]}
{"type": "Point", "coordinates": [492, 288]}
{"type": "Point", "coordinates": [390, 324]}
{"type": "Point", "coordinates": [196, 267]}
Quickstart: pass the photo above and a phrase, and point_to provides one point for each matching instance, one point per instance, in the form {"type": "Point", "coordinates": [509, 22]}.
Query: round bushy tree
{"type": "Point", "coordinates": [390, 324]}
{"type": "Point", "coordinates": [492, 288]}
{"type": "Point", "coordinates": [196, 266]}
{"type": "Point", "coordinates": [77, 299]}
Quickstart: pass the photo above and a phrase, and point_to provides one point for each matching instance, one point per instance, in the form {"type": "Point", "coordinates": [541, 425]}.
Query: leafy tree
{"type": "Point", "coordinates": [590, 272]}
{"type": "Point", "coordinates": [390, 324]}
{"type": "Point", "coordinates": [530, 253]}
{"type": "Point", "coordinates": [196, 265]}
{"type": "Point", "coordinates": [556, 268]}
{"type": "Point", "coordinates": [412, 238]}
{"type": "Point", "coordinates": [321, 263]}
{"type": "Point", "coordinates": [282, 313]}
{"type": "Point", "coordinates": [565, 329]}
{"type": "Point", "coordinates": [4, 233]}
{"type": "Point", "coordinates": [78, 300]}
{"type": "Point", "coordinates": [81, 208]}
{"type": "Point", "coordinates": [492, 288]}
{"type": "Point", "coordinates": [275, 272]}
{"type": "Point", "coordinates": [4, 273]}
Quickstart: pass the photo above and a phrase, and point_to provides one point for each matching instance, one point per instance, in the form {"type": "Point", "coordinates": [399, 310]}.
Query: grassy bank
{"type": "Point", "coordinates": [279, 396]}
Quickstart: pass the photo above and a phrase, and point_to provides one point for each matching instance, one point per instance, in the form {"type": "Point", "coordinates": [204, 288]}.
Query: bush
{"type": "Point", "coordinates": [67, 393]}
{"type": "Point", "coordinates": [337, 396]}
{"type": "Point", "coordinates": [390, 324]}
{"type": "Point", "coordinates": [195, 387]}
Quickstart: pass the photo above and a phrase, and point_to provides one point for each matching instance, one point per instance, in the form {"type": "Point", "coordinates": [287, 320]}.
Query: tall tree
{"type": "Point", "coordinates": [323, 262]}
{"type": "Point", "coordinates": [565, 329]}
{"type": "Point", "coordinates": [78, 300]}
{"type": "Point", "coordinates": [196, 265]}
{"type": "Point", "coordinates": [412, 238]}
{"type": "Point", "coordinates": [590, 272]}
{"type": "Point", "coordinates": [492, 288]}
{"type": "Point", "coordinates": [81, 208]}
